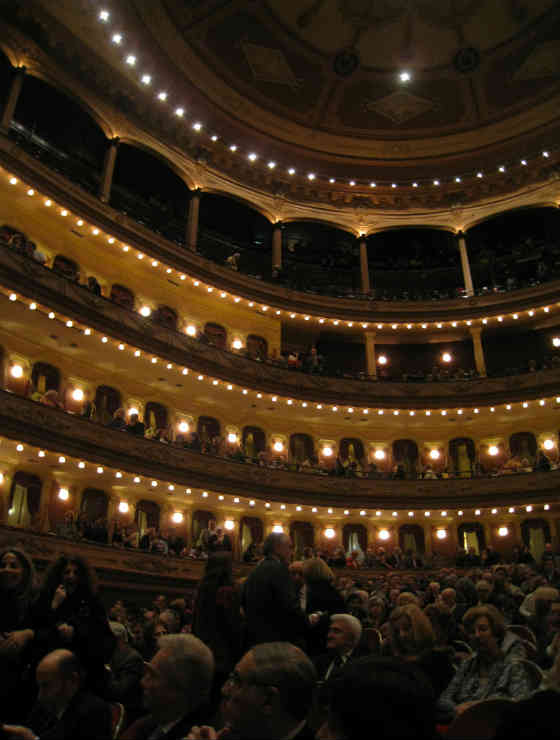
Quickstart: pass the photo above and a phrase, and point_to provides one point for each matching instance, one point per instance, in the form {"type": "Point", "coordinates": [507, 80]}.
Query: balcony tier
{"type": "Point", "coordinates": [57, 431]}
{"type": "Point", "coordinates": [39, 284]}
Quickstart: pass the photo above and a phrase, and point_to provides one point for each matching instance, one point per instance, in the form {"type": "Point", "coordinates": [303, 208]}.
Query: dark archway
{"type": "Point", "coordinates": [7, 73]}
{"type": "Point", "coordinates": [123, 296]}
{"type": "Point", "coordinates": [250, 532]}
{"type": "Point", "coordinates": [303, 536]}
{"type": "Point", "coordinates": [95, 504]}
{"type": "Point", "coordinates": [411, 537]}
{"type": "Point", "coordinates": [107, 401]}
{"type": "Point", "coordinates": [257, 347]}
{"type": "Point", "coordinates": [462, 456]}
{"type": "Point", "coordinates": [147, 189]}
{"type": "Point", "coordinates": [155, 416]}
{"type": "Point", "coordinates": [227, 227]}
{"type": "Point", "coordinates": [301, 447]}
{"type": "Point", "coordinates": [25, 500]}
{"type": "Point", "coordinates": [352, 535]}
{"type": "Point", "coordinates": [200, 520]}
{"type": "Point", "coordinates": [208, 428]}
{"type": "Point", "coordinates": [414, 263]}
{"type": "Point", "coordinates": [535, 534]}
{"type": "Point", "coordinates": [216, 335]}
{"type": "Point", "coordinates": [254, 441]}
{"type": "Point", "coordinates": [166, 317]}
{"type": "Point", "coordinates": [147, 515]}
{"type": "Point", "coordinates": [45, 377]}
{"type": "Point", "coordinates": [523, 445]}
{"type": "Point", "coordinates": [59, 131]}
{"type": "Point", "coordinates": [351, 449]}
{"type": "Point", "coordinates": [66, 267]}
{"type": "Point", "coordinates": [471, 534]}
{"type": "Point", "coordinates": [405, 454]}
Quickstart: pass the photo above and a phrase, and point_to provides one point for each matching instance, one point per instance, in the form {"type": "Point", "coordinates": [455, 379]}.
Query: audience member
{"type": "Point", "coordinates": [125, 670]}
{"type": "Point", "coordinates": [343, 640]}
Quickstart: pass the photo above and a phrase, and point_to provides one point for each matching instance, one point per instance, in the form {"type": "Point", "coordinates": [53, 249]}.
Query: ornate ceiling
{"type": "Point", "coordinates": [314, 84]}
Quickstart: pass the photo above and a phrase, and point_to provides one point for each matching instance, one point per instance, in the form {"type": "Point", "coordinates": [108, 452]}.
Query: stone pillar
{"type": "Point", "coordinates": [364, 267]}
{"type": "Point", "coordinates": [13, 96]}
{"type": "Point", "coordinates": [479, 361]}
{"type": "Point", "coordinates": [192, 222]}
{"type": "Point", "coordinates": [277, 246]}
{"type": "Point", "coordinates": [465, 265]}
{"type": "Point", "coordinates": [371, 365]}
{"type": "Point", "coordinates": [428, 550]}
{"type": "Point", "coordinates": [108, 170]}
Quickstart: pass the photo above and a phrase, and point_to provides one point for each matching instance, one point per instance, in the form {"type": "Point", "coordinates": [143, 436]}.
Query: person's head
{"type": "Point", "coordinates": [59, 678]}
{"type": "Point", "coordinates": [160, 603]}
{"type": "Point", "coordinates": [296, 574]}
{"type": "Point", "coordinates": [411, 630]}
{"type": "Point", "coordinates": [385, 696]}
{"type": "Point", "coordinates": [279, 545]}
{"type": "Point", "coordinates": [270, 691]}
{"type": "Point", "coordinates": [133, 419]}
{"type": "Point", "coordinates": [136, 629]}
{"type": "Point", "coordinates": [543, 598]}
{"type": "Point", "coordinates": [344, 633]}
{"type": "Point", "coordinates": [377, 609]}
{"type": "Point", "coordinates": [406, 597]}
{"type": "Point", "coordinates": [178, 678]}
{"type": "Point", "coordinates": [485, 627]}
{"type": "Point", "coordinates": [171, 619]}
{"type": "Point", "coordinates": [434, 588]}
{"type": "Point", "coordinates": [159, 629]}
{"type": "Point", "coordinates": [315, 570]}
{"type": "Point", "coordinates": [16, 573]}
{"type": "Point", "coordinates": [484, 590]}
{"type": "Point", "coordinates": [448, 597]}
{"type": "Point", "coordinates": [74, 573]}
{"type": "Point", "coordinates": [119, 414]}
{"type": "Point", "coordinates": [119, 631]}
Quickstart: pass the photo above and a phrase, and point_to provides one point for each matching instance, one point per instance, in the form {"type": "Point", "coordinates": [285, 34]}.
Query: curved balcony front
{"type": "Point", "coordinates": [55, 430]}
{"type": "Point", "coordinates": [22, 164]}
{"type": "Point", "coordinates": [39, 284]}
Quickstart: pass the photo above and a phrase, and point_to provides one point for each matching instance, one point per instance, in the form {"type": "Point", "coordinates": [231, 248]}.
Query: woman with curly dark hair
{"type": "Point", "coordinates": [17, 633]}
{"type": "Point", "coordinates": [71, 616]}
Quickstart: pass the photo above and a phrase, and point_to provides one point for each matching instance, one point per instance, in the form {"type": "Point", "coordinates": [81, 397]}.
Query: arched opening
{"type": "Point", "coordinates": [471, 536]}
{"type": "Point", "coordinates": [147, 516]}
{"type": "Point", "coordinates": [414, 264]}
{"type": "Point", "coordinates": [303, 536]}
{"type": "Point", "coordinates": [95, 504]}
{"type": "Point", "coordinates": [60, 132]}
{"type": "Point", "coordinates": [302, 448]}
{"type": "Point", "coordinates": [462, 456]}
{"type": "Point", "coordinates": [257, 347]}
{"type": "Point", "coordinates": [250, 532]}
{"type": "Point", "coordinates": [215, 335]}
{"type": "Point", "coordinates": [166, 317]}
{"type": "Point", "coordinates": [25, 501]}
{"type": "Point", "coordinates": [230, 227]}
{"type": "Point", "coordinates": [523, 447]}
{"type": "Point", "coordinates": [200, 521]}
{"type": "Point", "coordinates": [354, 538]}
{"type": "Point", "coordinates": [535, 534]}
{"type": "Point", "coordinates": [146, 188]}
{"type": "Point", "coordinates": [351, 449]}
{"type": "Point", "coordinates": [207, 429]}
{"type": "Point", "coordinates": [122, 296]}
{"type": "Point", "coordinates": [405, 456]}
{"type": "Point", "coordinates": [44, 377]}
{"type": "Point", "coordinates": [66, 267]}
{"type": "Point", "coordinates": [7, 73]}
{"type": "Point", "coordinates": [515, 249]}
{"type": "Point", "coordinates": [254, 441]}
{"type": "Point", "coordinates": [411, 539]}
{"type": "Point", "coordinates": [155, 419]}
{"type": "Point", "coordinates": [320, 258]}
{"type": "Point", "coordinates": [107, 401]}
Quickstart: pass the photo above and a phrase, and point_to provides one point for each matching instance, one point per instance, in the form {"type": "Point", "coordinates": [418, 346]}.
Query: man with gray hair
{"type": "Point", "coordinates": [343, 638]}
{"type": "Point", "coordinates": [267, 697]}
{"type": "Point", "coordinates": [176, 685]}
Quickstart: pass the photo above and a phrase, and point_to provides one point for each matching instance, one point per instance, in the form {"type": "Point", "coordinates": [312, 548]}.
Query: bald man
{"type": "Point", "coordinates": [64, 710]}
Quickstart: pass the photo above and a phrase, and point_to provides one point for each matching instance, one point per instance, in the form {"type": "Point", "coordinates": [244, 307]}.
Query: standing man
{"type": "Point", "coordinates": [269, 598]}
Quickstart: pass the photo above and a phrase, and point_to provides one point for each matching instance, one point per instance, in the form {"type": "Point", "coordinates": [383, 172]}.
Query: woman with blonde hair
{"type": "Point", "coordinates": [320, 596]}
{"type": "Point", "coordinates": [412, 638]}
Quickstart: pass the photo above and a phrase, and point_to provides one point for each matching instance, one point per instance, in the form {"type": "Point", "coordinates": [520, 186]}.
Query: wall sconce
{"type": "Point", "coordinates": [183, 427]}
{"type": "Point", "coordinates": [327, 451]}
{"type": "Point", "coordinates": [278, 446]}
{"type": "Point", "coordinates": [177, 517]}
{"type": "Point", "coordinates": [123, 507]}
{"type": "Point", "coordinates": [435, 454]}
{"type": "Point", "coordinates": [78, 394]}
{"type": "Point", "coordinates": [278, 528]}
{"type": "Point", "coordinates": [329, 533]}
{"type": "Point", "coordinates": [379, 454]}
{"type": "Point", "coordinates": [441, 534]}
{"type": "Point", "coordinates": [384, 534]}
{"type": "Point", "coordinates": [63, 494]}
{"type": "Point", "coordinates": [503, 531]}
{"type": "Point", "coordinates": [16, 371]}
{"type": "Point", "coordinates": [493, 450]}
{"type": "Point", "coordinates": [232, 438]}
{"type": "Point", "coordinates": [229, 524]}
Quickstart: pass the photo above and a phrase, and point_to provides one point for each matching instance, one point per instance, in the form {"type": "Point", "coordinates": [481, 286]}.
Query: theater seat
{"type": "Point", "coordinates": [478, 722]}
{"type": "Point", "coordinates": [117, 719]}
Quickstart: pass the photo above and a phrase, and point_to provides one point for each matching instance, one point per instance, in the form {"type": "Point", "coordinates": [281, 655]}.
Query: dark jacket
{"type": "Point", "coordinates": [322, 597]}
{"type": "Point", "coordinates": [145, 726]}
{"type": "Point", "coordinates": [87, 718]}
{"type": "Point", "coordinates": [271, 606]}
{"type": "Point", "coordinates": [123, 684]}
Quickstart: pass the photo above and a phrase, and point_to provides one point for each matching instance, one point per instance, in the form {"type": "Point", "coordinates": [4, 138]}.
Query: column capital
{"type": "Point", "coordinates": [115, 141]}
{"type": "Point", "coordinates": [475, 330]}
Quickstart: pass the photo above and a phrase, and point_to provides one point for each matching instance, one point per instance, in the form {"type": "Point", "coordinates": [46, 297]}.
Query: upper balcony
{"type": "Point", "coordinates": [44, 286]}
{"type": "Point", "coordinates": [57, 431]}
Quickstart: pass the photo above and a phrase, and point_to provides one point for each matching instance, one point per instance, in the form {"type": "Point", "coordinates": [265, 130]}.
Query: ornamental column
{"type": "Point", "coordinates": [13, 96]}
{"type": "Point", "coordinates": [364, 267]}
{"type": "Point", "coordinates": [108, 170]}
{"type": "Point", "coordinates": [192, 222]}
{"type": "Point", "coordinates": [371, 365]}
{"type": "Point", "coordinates": [465, 265]}
{"type": "Point", "coordinates": [277, 246]}
{"type": "Point", "coordinates": [479, 361]}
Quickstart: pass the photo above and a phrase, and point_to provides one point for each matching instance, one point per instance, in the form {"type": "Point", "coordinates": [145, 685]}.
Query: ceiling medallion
{"type": "Point", "coordinates": [346, 62]}
{"type": "Point", "coordinates": [466, 60]}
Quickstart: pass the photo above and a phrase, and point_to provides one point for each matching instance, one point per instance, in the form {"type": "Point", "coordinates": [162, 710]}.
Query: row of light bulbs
{"type": "Point", "coordinates": [17, 371]}
{"type": "Point", "coordinates": [192, 331]}
{"type": "Point", "coordinates": [177, 516]}
{"type": "Point", "coordinates": [131, 60]}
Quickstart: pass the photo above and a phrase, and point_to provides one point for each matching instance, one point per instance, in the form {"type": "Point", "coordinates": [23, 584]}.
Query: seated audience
{"type": "Point", "coordinates": [119, 420]}
{"type": "Point", "coordinates": [125, 669]}
{"type": "Point", "coordinates": [486, 674]}
{"type": "Point", "coordinates": [135, 426]}
{"type": "Point", "coordinates": [343, 641]}
{"type": "Point", "coordinates": [176, 685]}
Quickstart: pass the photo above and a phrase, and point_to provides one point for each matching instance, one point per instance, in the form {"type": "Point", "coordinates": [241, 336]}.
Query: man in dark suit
{"type": "Point", "coordinates": [272, 608]}
{"type": "Point", "coordinates": [343, 639]}
{"type": "Point", "coordinates": [176, 686]}
{"type": "Point", "coordinates": [64, 710]}
{"type": "Point", "coordinates": [267, 697]}
{"type": "Point", "coordinates": [125, 671]}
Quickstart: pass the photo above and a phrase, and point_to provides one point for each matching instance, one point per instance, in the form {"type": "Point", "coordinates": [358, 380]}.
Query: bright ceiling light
{"type": "Point", "coordinates": [405, 76]}
{"type": "Point", "coordinates": [131, 60]}
{"type": "Point", "coordinates": [104, 15]}
{"type": "Point", "coordinates": [117, 38]}
{"type": "Point", "coordinates": [146, 79]}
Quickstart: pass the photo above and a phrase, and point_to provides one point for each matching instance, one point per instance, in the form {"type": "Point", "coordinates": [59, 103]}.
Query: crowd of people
{"type": "Point", "coordinates": [289, 651]}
